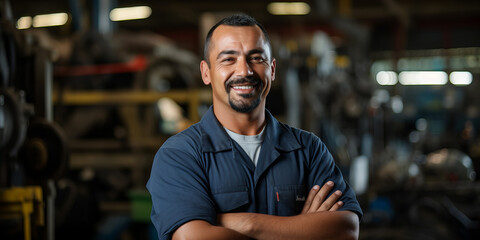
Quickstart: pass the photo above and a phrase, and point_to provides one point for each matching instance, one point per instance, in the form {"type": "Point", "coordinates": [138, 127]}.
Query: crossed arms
{"type": "Point", "coordinates": [319, 219]}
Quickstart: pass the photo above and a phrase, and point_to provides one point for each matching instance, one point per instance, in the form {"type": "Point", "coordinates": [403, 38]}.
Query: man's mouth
{"type": "Point", "coordinates": [246, 87]}
{"type": "Point", "coordinates": [242, 86]}
{"type": "Point", "coordinates": [243, 90]}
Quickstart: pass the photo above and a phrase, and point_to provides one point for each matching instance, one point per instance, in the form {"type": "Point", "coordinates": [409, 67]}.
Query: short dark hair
{"type": "Point", "coordinates": [238, 20]}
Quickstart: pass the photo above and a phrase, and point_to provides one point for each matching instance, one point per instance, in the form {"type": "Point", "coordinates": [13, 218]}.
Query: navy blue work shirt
{"type": "Point", "coordinates": [201, 172]}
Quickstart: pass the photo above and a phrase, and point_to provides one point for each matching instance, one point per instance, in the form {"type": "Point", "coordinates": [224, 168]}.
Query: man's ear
{"type": "Point", "coordinates": [274, 65]}
{"type": "Point", "coordinates": [205, 70]}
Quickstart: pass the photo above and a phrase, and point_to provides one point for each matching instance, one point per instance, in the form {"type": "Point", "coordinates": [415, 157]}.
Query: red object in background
{"type": "Point", "coordinates": [136, 64]}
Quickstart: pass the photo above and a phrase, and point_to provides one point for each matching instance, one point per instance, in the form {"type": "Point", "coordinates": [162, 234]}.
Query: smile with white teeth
{"type": "Point", "coordinates": [243, 87]}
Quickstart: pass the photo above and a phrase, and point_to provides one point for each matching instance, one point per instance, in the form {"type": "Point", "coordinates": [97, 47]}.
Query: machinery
{"type": "Point", "coordinates": [33, 150]}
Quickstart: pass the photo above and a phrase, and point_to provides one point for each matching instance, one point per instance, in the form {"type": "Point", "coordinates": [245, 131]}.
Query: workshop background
{"type": "Point", "coordinates": [90, 89]}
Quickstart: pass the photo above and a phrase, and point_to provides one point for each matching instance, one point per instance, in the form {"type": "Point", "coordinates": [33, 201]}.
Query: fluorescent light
{"type": "Point", "coordinates": [130, 13]}
{"type": "Point", "coordinates": [288, 8]}
{"type": "Point", "coordinates": [461, 78]}
{"type": "Point", "coordinates": [423, 78]}
{"type": "Point", "coordinates": [24, 22]}
{"type": "Point", "coordinates": [49, 20]}
{"type": "Point", "coordinates": [386, 78]}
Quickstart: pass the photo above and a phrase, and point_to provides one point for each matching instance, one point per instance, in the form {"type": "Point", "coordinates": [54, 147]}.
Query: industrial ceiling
{"type": "Point", "coordinates": [186, 13]}
{"type": "Point", "coordinates": [390, 24]}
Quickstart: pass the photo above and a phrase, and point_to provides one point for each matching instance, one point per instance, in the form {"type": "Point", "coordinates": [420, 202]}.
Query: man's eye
{"type": "Point", "coordinates": [257, 59]}
{"type": "Point", "coordinates": [228, 60]}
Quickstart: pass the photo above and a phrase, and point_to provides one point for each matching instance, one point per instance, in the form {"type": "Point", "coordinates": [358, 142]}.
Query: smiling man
{"type": "Point", "coordinates": [239, 66]}
{"type": "Point", "coordinates": [239, 173]}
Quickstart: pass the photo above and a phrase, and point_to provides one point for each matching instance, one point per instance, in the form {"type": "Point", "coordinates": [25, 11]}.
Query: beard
{"type": "Point", "coordinates": [247, 102]}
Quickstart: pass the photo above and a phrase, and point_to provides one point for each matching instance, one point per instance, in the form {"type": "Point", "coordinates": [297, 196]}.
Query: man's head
{"type": "Point", "coordinates": [238, 64]}
{"type": "Point", "coordinates": [237, 20]}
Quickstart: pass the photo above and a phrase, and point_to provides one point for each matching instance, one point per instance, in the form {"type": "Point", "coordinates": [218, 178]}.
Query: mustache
{"type": "Point", "coordinates": [252, 80]}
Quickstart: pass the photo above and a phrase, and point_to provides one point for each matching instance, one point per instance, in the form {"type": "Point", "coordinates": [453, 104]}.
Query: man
{"type": "Point", "coordinates": [239, 173]}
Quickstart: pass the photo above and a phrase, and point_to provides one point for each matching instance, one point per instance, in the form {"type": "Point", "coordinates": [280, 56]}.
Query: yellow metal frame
{"type": "Point", "coordinates": [192, 97]}
{"type": "Point", "coordinates": [23, 202]}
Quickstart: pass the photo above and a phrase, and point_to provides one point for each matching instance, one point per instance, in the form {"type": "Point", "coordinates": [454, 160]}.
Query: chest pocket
{"type": "Point", "coordinates": [290, 199]}
{"type": "Point", "coordinates": [232, 200]}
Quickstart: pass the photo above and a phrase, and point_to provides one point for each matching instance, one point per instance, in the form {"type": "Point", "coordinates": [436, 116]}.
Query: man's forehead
{"type": "Point", "coordinates": [228, 36]}
{"type": "Point", "coordinates": [236, 33]}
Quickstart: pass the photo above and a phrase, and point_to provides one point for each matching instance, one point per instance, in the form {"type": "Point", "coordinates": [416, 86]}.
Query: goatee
{"type": "Point", "coordinates": [251, 100]}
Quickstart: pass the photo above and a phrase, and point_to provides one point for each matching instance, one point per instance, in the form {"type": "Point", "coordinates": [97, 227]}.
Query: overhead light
{"type": "Point", "coordinates": [461, 78]}
{"type": "Point", "coordinates": [130, 13]}
{"type": "Point", "coordinates": [288, 8]}
{"type": "Point", "coordinates": [24, 22]}
{"type": "Point", "coordinates": [50, 20]}
{"type": "Point", "coordinates": [423, 78]}
{"type": "Point", "coordinates": [386, 78]}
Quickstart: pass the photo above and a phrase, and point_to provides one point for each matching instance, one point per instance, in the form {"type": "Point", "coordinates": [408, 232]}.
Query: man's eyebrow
{"type": "Point", "coordinates": [255, 51]}
{"type": "Point", "coordinates": [227, 52]}
{"type": "Point", "coordinates": [234, 52]}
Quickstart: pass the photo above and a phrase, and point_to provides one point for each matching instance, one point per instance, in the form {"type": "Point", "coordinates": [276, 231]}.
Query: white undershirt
{"type": "Point", "coordinates": [250, 144]}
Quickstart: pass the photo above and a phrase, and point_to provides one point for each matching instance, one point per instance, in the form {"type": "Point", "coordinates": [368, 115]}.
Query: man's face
{"type": "Point", "coordinates": [241, 69]}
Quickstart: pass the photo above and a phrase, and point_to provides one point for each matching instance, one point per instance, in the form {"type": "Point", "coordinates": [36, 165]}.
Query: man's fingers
{"type": "Point", "coordinates": [336, 206]}
{"type": "Point", "coordinates": [321, 196]}
{"type": "Point", "coordinates": [317, 200]}
{"type": "Point", "coordinates": [331, 201]}
{"type": "Point", "coordinates": [311, 196]}
{"type": "Point", "coordinates": [316, 197]}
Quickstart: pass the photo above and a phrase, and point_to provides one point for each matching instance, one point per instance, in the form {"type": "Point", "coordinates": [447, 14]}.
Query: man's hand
{"type": "Point", "coordinates": [317, 202]}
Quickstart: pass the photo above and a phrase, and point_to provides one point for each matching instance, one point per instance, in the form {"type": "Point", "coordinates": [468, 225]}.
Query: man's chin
{"type": "Point", "coordinates": [244, 107]}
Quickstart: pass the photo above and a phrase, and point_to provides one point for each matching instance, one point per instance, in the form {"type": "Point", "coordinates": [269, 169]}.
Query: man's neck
{"type": "Point", "coordinates": [250, 123]}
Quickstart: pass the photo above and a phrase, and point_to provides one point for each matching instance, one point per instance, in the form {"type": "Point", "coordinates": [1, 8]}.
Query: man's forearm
{"type": "Point", "coordinates": [319, 219]}
{"type": "Point", "coordinates": [319, 225]}
{"type": "Point", "coordinates": [202, 230]}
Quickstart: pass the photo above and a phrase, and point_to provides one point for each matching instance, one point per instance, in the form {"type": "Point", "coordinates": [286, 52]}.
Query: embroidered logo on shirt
{"type": "Point", "coordinates": [300, 198]}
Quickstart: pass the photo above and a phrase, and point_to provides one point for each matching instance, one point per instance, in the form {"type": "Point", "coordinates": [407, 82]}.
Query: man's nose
{"type": "Point", "coordinates": [243, 68]}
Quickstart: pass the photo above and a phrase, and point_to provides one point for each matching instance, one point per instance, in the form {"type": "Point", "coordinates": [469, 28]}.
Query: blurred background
{"type": "Point", "coordinates": [90, 89]}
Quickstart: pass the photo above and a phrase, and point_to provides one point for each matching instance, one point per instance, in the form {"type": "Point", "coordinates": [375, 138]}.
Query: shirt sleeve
{"type": "Point", "coordinates": [323, 168]}
{"type": "Point", "coordinates": [179, 191]}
